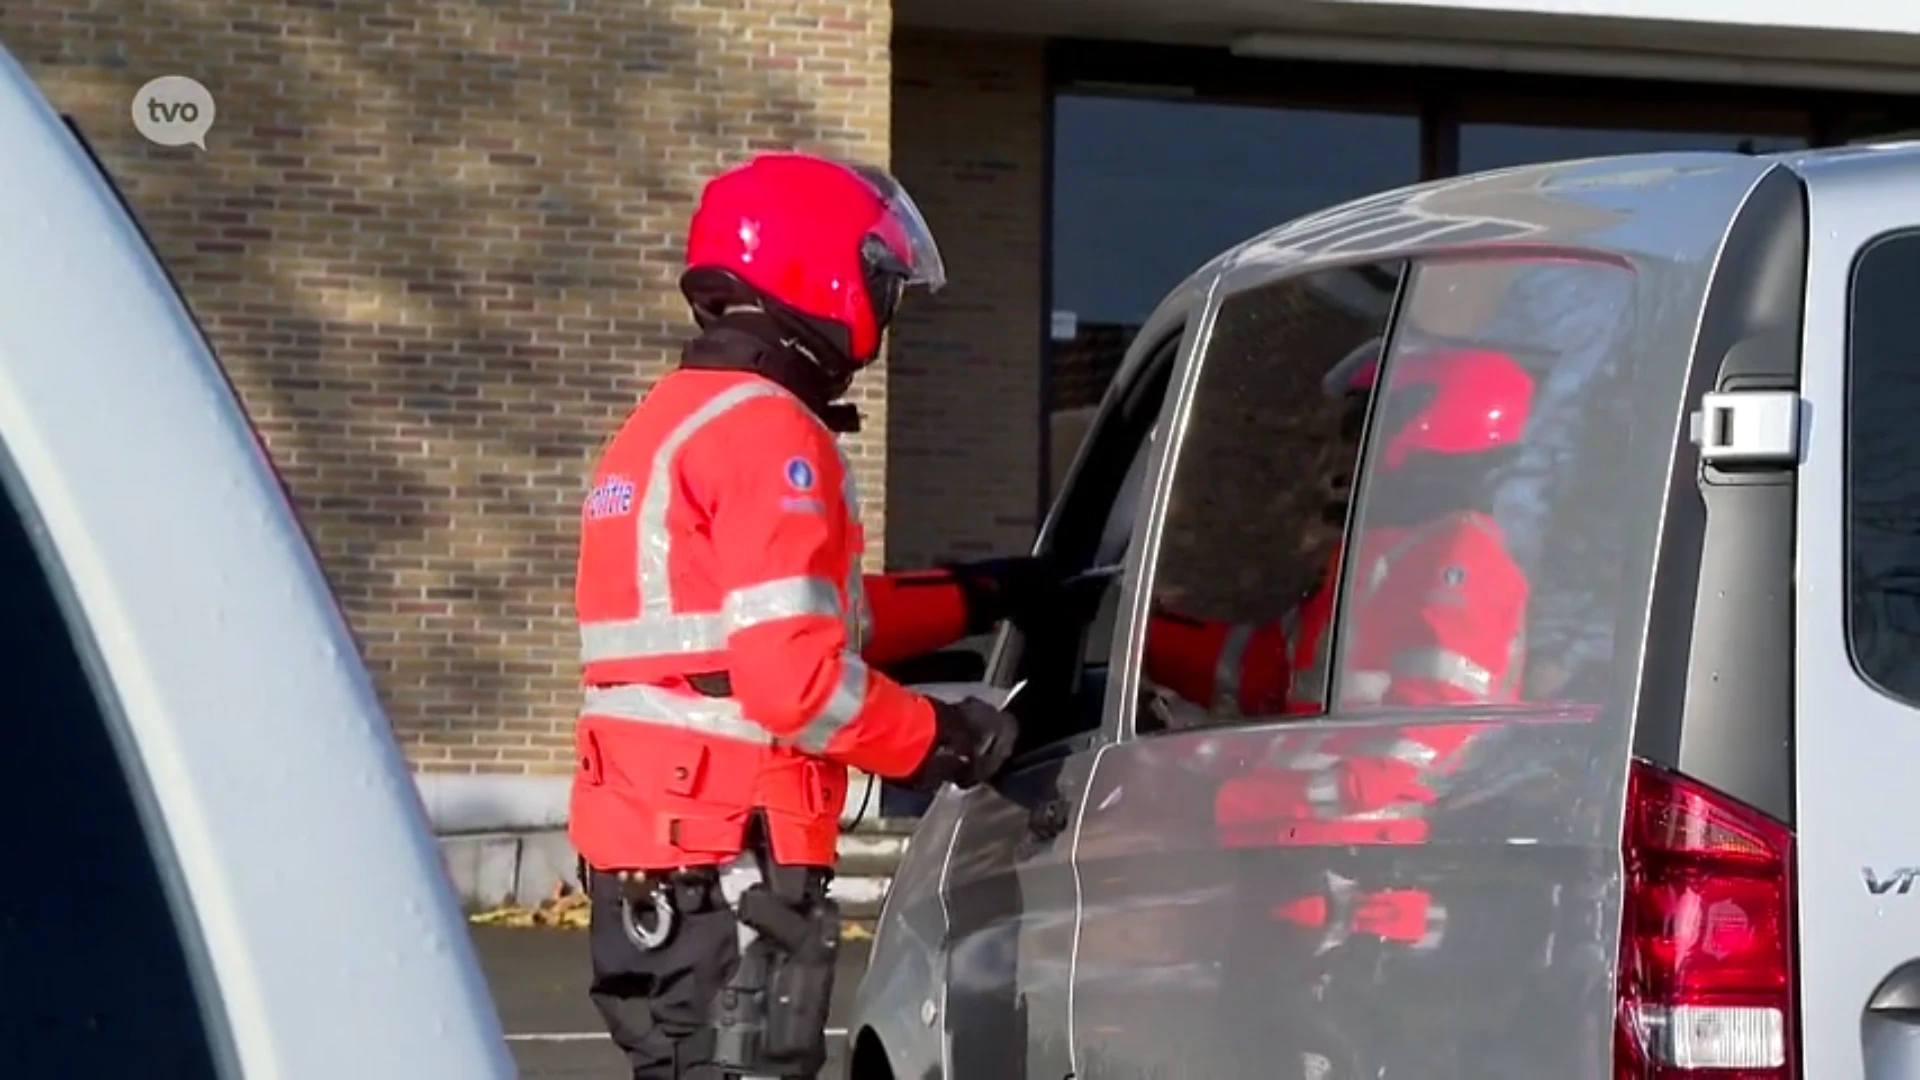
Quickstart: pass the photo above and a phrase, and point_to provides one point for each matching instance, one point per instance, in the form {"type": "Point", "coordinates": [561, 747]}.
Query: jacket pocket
{"type": "Point", "coordinates": [592, 765]}
{"type": "Point", "coordinates": [683, 769]}
{"type": "Point", "coordinates": [824, 787]}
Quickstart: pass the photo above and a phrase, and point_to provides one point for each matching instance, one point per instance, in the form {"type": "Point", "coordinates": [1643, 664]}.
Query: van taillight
{"type": "Point", "coordinates": [1706, 978]}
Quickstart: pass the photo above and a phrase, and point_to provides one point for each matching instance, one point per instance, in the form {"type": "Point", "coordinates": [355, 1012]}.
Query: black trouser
{"type": "Point", "coordinates": [658, 1004]}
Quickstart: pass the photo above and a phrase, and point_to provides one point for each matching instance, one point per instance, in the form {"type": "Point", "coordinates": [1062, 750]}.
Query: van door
{"type": "Point", "coordinates": [1255, 508]}
{"type": "Point", "coordinates": [1010, 890]}
{"type": "Point", "coordinates": [1365, 812]}
{"type": "Point", "coordinates": [1857, 690]}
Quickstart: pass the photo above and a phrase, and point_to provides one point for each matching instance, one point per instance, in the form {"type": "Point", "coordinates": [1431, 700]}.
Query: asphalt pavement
{"type": "Point", "coordinates": [539, 981]}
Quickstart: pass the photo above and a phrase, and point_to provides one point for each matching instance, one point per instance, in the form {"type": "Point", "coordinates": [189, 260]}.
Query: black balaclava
{"type": "Point", "coordinates": [751, 339]}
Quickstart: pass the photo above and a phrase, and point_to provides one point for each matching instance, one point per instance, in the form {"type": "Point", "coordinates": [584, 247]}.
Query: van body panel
{"type": "Point", "coordinates": [1859, 926]}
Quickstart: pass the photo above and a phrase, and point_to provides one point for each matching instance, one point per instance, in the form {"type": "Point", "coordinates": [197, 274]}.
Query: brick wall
{"type": "Point", "coordinates": [435, 245]}
{"type": "Point", "coordinates": [964, 407]}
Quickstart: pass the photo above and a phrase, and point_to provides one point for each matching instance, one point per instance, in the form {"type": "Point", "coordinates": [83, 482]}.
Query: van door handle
{"type": "Point", "coordinates": [1899, 992]}
{"type": "Point", "coordinates": [1890, 1030]}
{"type": "Point", "coordinates": [1050, 819]}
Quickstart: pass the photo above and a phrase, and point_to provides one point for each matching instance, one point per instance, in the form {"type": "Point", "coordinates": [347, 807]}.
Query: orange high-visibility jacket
{"type": "Point", "coordinates": [1438, 618]}
{"type": "Point", "coordinates": [1226, 668]}
{"type": "Point", "coordinates": [1246, 669]}
{"type": "Point", "coordinates": [721, 538]}
{"type": "Point", "coordinates": [1396, 916]}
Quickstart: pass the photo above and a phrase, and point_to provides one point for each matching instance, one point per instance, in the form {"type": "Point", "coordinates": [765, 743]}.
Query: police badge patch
{"type": "Point", "coordinates": [800, 475]}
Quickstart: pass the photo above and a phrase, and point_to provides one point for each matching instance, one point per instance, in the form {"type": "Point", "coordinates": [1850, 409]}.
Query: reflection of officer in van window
{"type": "Point", "coordinates": [1437, 608]}
{"type": "Point", "coordinates": [1551, 501]}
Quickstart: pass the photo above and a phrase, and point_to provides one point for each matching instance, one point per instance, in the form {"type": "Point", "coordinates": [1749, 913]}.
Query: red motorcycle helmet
{"type": "Point", "coordinates": [1455, 401]}
{"type": "Point", "coordinates": [1445, 401]}
{"type": "Point", "coordinates": [825, 243]}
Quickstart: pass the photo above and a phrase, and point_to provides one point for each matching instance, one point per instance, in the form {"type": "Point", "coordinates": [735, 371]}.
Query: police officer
{"type": "Point", "coordinates": [728, 634]}
{"type": "Point", "coordinates": [1437, 612]}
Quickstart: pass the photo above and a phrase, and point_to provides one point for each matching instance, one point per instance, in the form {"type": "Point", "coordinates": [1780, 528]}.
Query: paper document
{"type": "Point", "coordinates": [1011, 694]}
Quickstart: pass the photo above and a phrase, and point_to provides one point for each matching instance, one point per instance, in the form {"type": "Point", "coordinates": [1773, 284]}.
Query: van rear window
{"type": "Point", "coordinates": [1883, 467]}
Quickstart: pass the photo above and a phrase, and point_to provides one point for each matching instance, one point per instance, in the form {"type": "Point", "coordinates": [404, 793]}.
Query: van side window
{"type": "Point", "coordinates": [1259, 499]}
{"type": "Point", "coordinates": [1883, 468]}
{"type": "Point", "coordinates": [1501, 499]}
{"type": "Point", "coordinates": [95, 978]}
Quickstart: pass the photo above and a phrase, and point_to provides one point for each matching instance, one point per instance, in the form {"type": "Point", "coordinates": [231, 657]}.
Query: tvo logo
{"type": "Point", "coordinates": [174, 110]}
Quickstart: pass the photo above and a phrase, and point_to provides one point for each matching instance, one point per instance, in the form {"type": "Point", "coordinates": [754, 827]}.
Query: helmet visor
{"type": "Point", "coordinates": [920, 255]}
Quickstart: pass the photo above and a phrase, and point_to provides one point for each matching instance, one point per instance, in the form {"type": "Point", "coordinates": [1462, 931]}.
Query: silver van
{"type": "Point", "coordinates": [1599, 784]}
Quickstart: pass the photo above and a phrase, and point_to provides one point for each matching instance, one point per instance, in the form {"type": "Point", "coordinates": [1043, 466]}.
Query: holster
{"type": "Point", "coordinates": [771, 1019]}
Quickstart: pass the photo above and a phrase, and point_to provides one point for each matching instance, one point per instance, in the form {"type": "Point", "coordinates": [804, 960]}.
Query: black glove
{"type": "Point", "coordinates": [1017, 588]}
{"type": "Point", "coordinates": [972, 740]}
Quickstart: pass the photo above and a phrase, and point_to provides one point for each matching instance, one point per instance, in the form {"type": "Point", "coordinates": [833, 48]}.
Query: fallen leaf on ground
{"type": "Point", "coordinates": [565, 909]}
{"type": "Point", "coordinates": [568, 909]}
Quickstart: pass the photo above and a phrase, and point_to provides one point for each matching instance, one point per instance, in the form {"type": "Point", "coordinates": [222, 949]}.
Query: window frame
{"type": "Point", "coordinates": [1443, 96]}
{"type": "Point", "coordinates": [1126, 665]}
{"type": "Point", "coordinates": [129, 768]}
{"type": "Point", "coordinates": [1127, 417]}
{"type": "Point", "coordinates": [16, 488]}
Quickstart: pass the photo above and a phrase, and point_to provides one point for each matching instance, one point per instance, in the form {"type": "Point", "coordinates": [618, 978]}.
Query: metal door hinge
{"type": "Point", "coordinates": [1748, 427]}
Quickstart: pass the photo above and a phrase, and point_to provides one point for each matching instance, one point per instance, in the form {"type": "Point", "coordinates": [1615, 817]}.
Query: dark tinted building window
{"type": "Point", "coordinates": [1145, 191]}
{"type": "Point", "coordinates": [1498, 146]}
{"type": "Point", "coordinates": [94, 978]}
{"type": "Point", "coordinates": [1883, 467]}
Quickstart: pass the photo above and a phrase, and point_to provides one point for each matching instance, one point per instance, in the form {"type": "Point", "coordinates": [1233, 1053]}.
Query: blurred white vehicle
{"type": "Point", "coordinates": [220, 865]}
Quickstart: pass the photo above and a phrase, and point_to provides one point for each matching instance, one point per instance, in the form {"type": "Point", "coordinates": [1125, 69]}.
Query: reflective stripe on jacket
{"type": "Point", "coordinates": [720, 536]}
